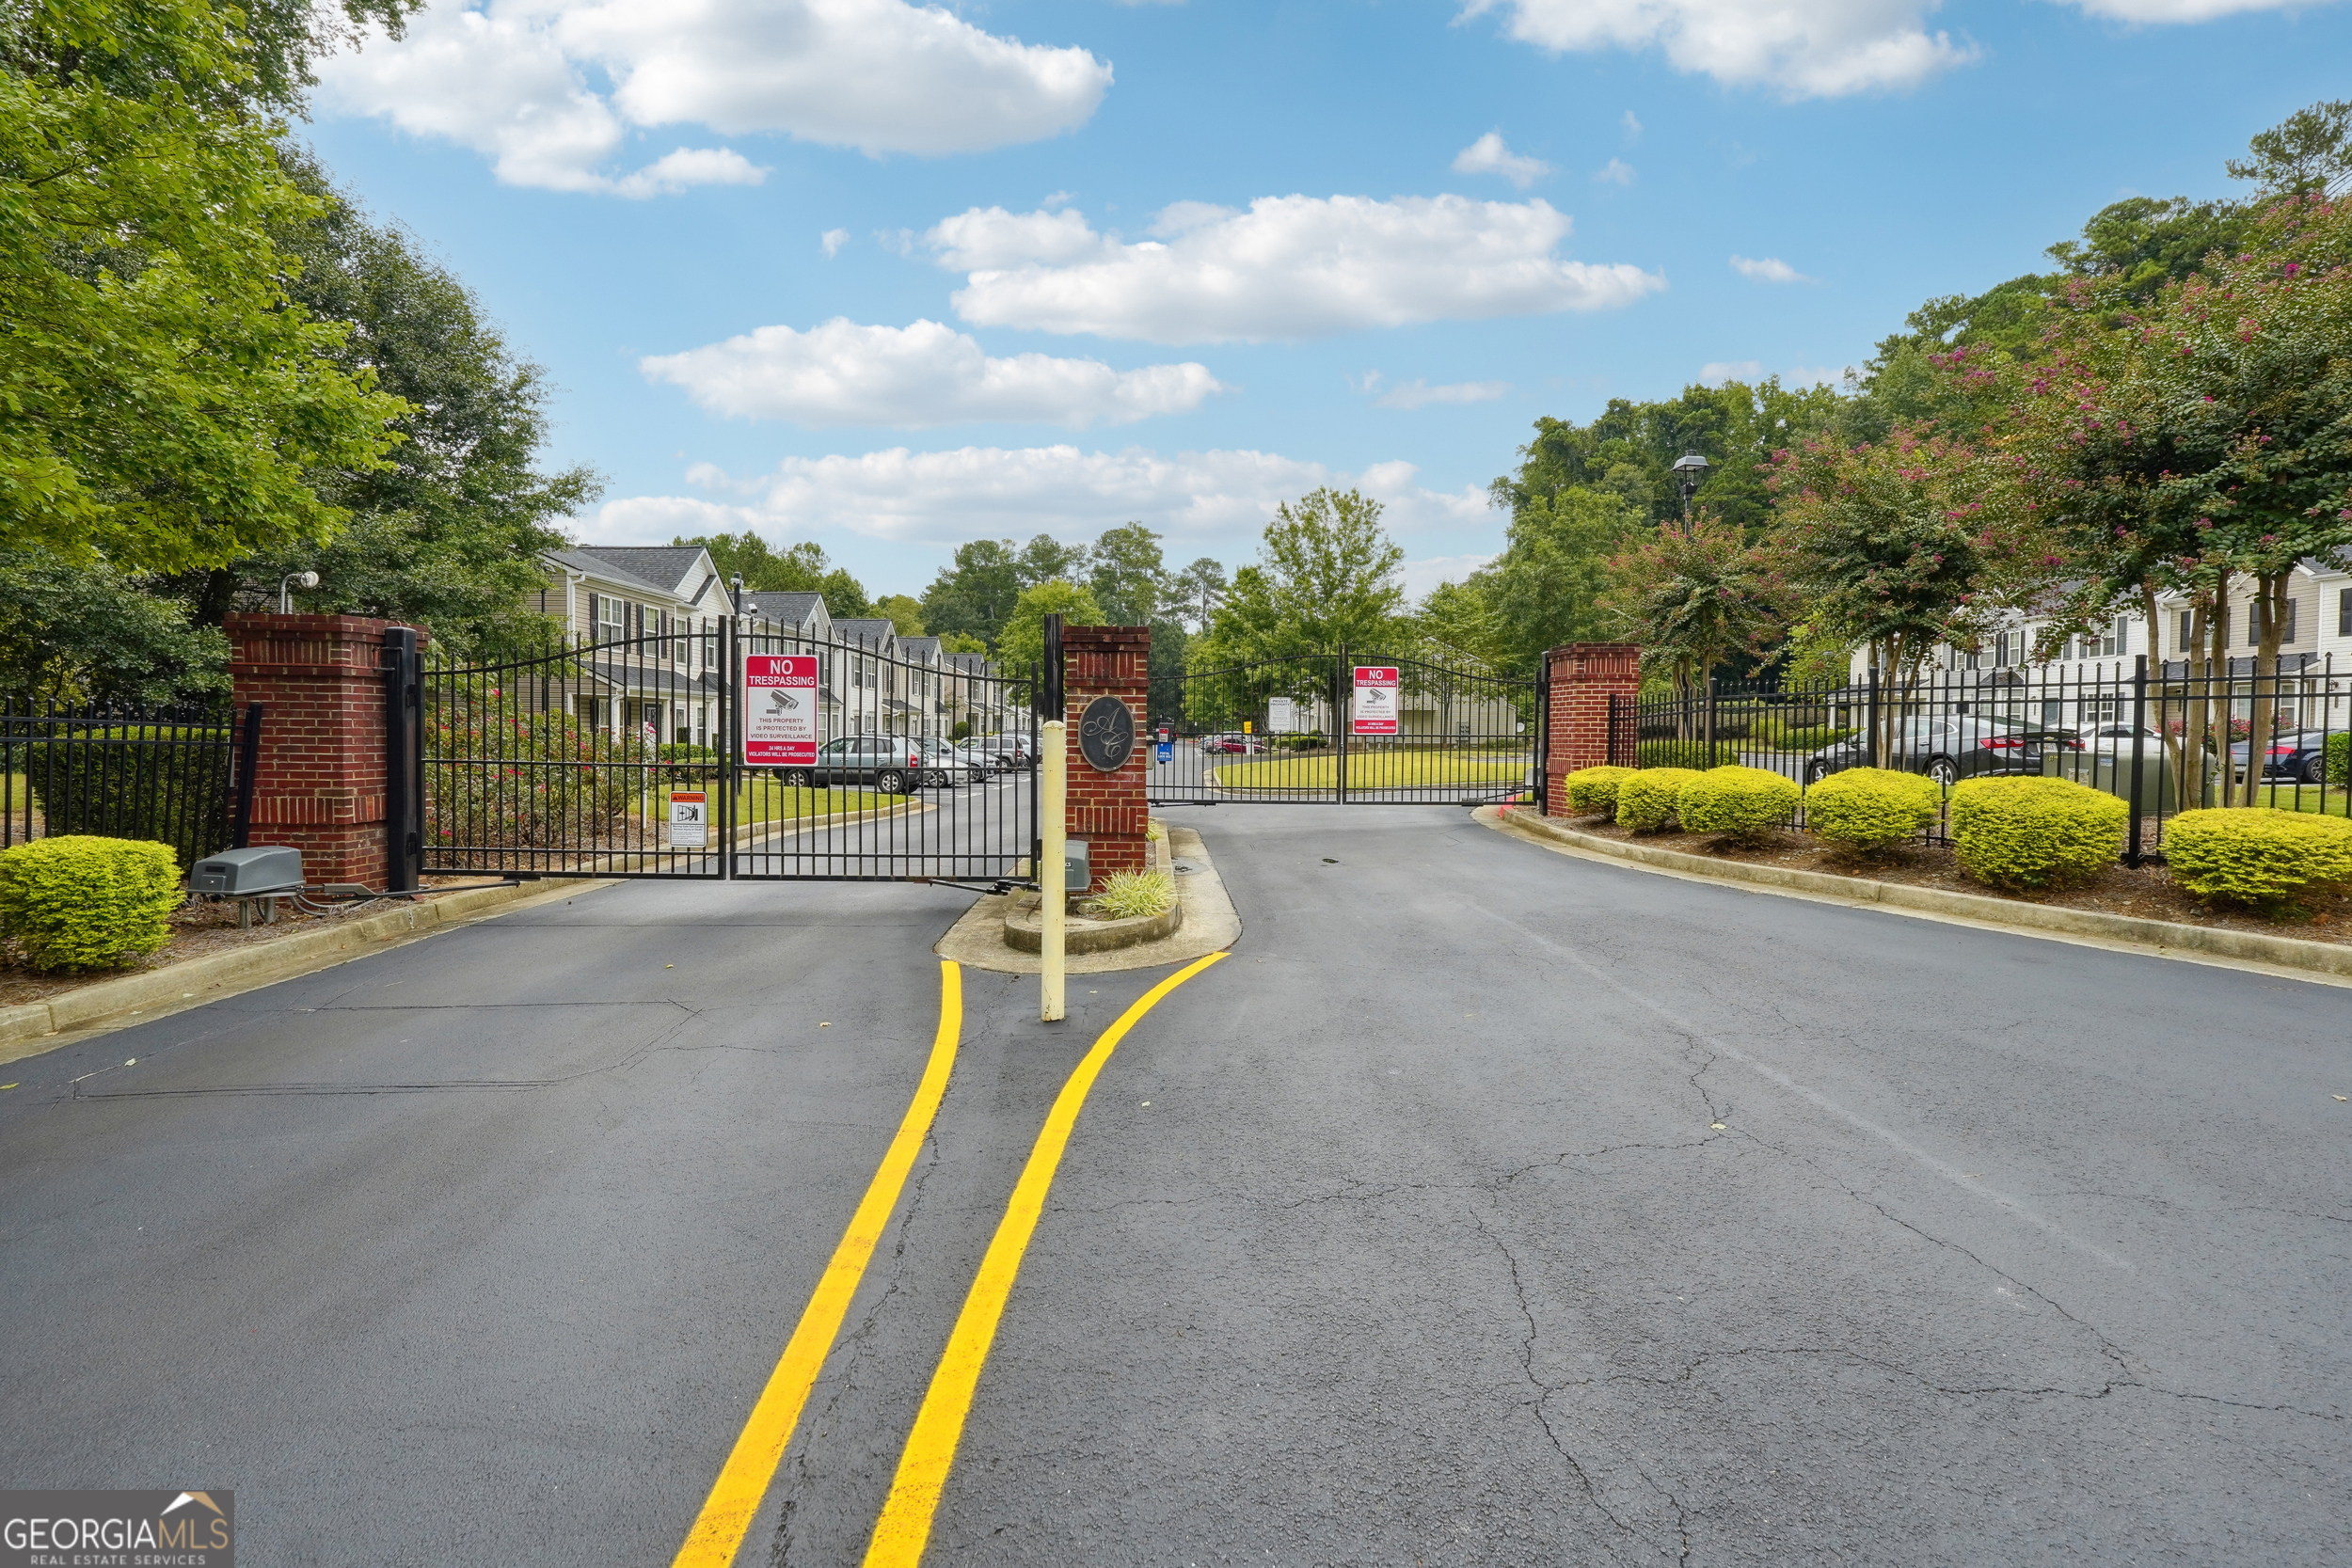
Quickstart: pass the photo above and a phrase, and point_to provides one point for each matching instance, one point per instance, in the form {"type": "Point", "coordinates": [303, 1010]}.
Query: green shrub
{"type": "Point", "coordinates": [2257, 856]}
{"type": "Point", "coordinates": [1870, 808]}
{"type": "Point", "coordinates": [501, 780]}
{"type": "Point", "coordinates": [1647, 799]}
{"type": "Point", "coordinates": [1594, 790]}
{"type": "Point", "coordinates": [77, 901]}
{"type": "Point", "coordinates": [1683, 754]}
{"type": "Point", "coordinates": [1127, 894]}
{"type": "Point", "coordinates": [1742, 803]}
{"type": "Point", "coordinates": [2024, 832]}
{"type": "Point", "coordinates": [2339, 758]}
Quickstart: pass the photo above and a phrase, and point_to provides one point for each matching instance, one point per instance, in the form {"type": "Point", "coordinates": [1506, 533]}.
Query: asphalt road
{"type": "Point", "coordinates": [1487, 1206]}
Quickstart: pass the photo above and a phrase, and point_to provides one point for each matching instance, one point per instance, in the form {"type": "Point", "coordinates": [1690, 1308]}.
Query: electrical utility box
{"type": "Point", "coordinates": [1076, 875]}
{"type": "Point", "coordinates": [234, 873]}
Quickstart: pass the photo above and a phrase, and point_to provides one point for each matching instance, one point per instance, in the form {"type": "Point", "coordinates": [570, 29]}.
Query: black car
{"type": "Point", "coordinates": [1949, 749]}
{"type": "Point", "coordinates": [2296, 756]}
{"type": "Point", "coordinates": [892, 764]}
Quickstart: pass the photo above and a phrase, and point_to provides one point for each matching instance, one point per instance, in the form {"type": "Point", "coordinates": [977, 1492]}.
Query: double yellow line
{"type": "Point", "coordinates": [905, 1524]}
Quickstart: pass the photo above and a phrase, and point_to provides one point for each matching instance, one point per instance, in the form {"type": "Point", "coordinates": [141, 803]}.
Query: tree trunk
{"type": "Point", "coordinates": [2270, 620]}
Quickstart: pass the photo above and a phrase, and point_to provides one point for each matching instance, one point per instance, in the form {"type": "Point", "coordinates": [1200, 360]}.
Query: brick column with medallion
{"type": "Point", "coordinates": [1584, 675]}
{"type": "Point", "coordinates": [1106, 807]}
{"type": "Point", "coordinates": [319, 781]}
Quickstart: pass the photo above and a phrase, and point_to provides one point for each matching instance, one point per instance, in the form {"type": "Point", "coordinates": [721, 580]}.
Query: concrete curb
{"type": "Point", "coordinates": [32, 1027]}
{"type": "Point", "coordinates": [2252, 950]}
{"type": "Point", "coordinates": [1211, 923]}
{"type": "Point", "coordinates": [1025, 926]}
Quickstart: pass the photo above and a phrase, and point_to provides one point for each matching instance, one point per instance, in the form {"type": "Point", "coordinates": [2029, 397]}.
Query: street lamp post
{"type": "Point", "coordinates": [1689, 470]}
{"type": "Point", "coordinates": [287, 584]}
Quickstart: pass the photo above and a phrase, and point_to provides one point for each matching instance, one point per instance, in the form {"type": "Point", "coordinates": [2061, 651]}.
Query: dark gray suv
{"type": "Point", "coordinates": [1951, 748]}
{"type": "Point", "coordinates": [891, 763]}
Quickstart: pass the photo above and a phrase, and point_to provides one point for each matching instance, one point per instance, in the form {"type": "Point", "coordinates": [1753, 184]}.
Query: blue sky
{"type": "Point", "coordinates": [1180, 261]}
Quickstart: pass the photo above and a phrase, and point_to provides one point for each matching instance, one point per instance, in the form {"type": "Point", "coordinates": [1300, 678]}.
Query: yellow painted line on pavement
{"type": "Point", "coordinates": [734, 1497]}
{"type": "Point", "coordinates": [905, 1525]}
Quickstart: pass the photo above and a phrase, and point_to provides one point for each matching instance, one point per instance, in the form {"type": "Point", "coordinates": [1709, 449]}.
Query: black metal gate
{"type": "Point", "coordinates": [1347, 727]}
{"type": "Point", "coordinates": [625, 757]}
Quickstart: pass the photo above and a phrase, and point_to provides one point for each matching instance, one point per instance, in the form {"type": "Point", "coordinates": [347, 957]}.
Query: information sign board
{"type": "Point", "coordinates": [690, 819]}
{"type": "Point", "coordinates": [1281, 716]}
{"type": "Point", "coordinates": [779, 710]}
{"type": "Point", "coordinates": [1375, 698]}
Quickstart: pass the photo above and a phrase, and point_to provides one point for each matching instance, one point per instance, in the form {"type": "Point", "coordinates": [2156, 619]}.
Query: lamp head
{"type": "Point", "coordinates": [306, 579]}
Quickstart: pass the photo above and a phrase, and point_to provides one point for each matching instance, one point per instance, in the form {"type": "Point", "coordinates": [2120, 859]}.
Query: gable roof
{"type": "Point", "coordinates": [667, 566]}
{"type": "Point", "coordinates": [612, 572]}
{"type": "Point", "coordinates": [789, 609]}
{"type": "Point", "coordinates": [919, 647]}
{"type": "Point", "coordinates": [872, 630]}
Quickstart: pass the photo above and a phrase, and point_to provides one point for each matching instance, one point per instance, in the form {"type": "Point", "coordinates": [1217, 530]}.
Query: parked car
{"type": "Point", "coordinates": [892, 764]}
{"type": "Point", "coordinates": [1949, 747]}
{"type": "Point", "coordinates": [1005, 751]}
{"type": "Point", "coordinates": [944, 764]}
{"type": "Point", "coordinates": [983, 765]}
{"type": "Point", "coordinates": [2296, 756]}
{"type": "Point", "coordinates": [1232, 743]}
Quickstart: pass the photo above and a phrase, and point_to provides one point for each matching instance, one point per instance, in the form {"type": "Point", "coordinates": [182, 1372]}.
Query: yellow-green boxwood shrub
{"type": "Point", "coordinates": [77, 901]}
{"type": "Point", "coordinates": [2256, 855]}
{"type": "Point", "coordinates": [1742, 803]}
{"type": "Point", "coordinates": [1594, 790]}
{"type": "Point", "coordinates": [2025, 833]}
{"type": "Point", "coordinates": [1870, 808]}
{"type": "Point", "coordinates": [1647, 799]}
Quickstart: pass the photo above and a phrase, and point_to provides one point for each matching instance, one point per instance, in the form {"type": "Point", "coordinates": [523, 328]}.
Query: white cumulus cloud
{"type": "Point", "coordinates": [1617, 171]}
{"type": "Point", "coordinates": [1205, 499]}
{"type": "Point", "coordinates": [1420, 394]}
{"type": "Point", "coordinates": [914, 377]}
{"type": "Point", "coordinates": [1770, 269]}
{"type": "Point", "coordinates": [2181, 11]}
{"type": "Point", "coordinates": [1488, 155]}
{"type": "Point", "coordinates": [1822, 49]}
{"type": "Point", "coordinates": [1290, 267]}
{"type": "Point", "coordinates": [1716, 371]}
{"type": "Point", "coordinates": [1422, 576]}
{"type": "Point", "coordinates": [550, 90]}
{"type": "Point", "coordinates": [832, 240]}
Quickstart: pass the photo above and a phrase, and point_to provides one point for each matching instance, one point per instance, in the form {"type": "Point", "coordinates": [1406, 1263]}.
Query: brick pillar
{"type": "Point", "coordinates": [1583, 677]}
{"type": "Point", "coordinates": [319, 783]}
{"type": "Point", "coordinates": [1108, 809]}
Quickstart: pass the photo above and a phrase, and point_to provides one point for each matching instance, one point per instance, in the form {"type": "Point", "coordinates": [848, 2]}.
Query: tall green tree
{"type": "Point", "coordinates": [1325, 574]}
{"type": "Point", "coordinates": [903, 613]}
{"type": "Point", "coordinates": [1127, 576]}
{"type": "Point", "coordinates": [164, 400]}
{"type": "Point", "coordinates": [1195, 591]}
{"type": "Point", "coordinates": [448, 529]}
{"type": "Point", "coordinates": [975, 595]}
{"type": "Point", "coordinates": [1045, 558]}
{"type": "Point", "coordinates": [1021, 646]}
{"type": "Point", "coordinates": [82, 632]}
{"type": "Point", "coordinates": [1545, 589]}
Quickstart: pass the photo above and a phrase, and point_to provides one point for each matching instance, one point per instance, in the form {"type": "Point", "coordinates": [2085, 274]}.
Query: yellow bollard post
{"type": "Point", "coordinates": [1053, 822]}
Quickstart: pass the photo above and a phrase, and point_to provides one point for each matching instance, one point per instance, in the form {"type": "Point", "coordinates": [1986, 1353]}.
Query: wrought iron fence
{"type": "Point", "coordinates": [1295, 731]}
{"type": "Point", "coordinates": [180, 776]}
{"type": "Point", "coordinates": [2166, 738]}
{"type": "Point", "coordinates": [582, 758]}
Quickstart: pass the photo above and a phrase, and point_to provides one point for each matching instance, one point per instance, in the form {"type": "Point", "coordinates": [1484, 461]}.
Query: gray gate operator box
{"type": "Point", "coordinates": [1076, 875]}
{"type": "Point", "coordinates": [272, 868]}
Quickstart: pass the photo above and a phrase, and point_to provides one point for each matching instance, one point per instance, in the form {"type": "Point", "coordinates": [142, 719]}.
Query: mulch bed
{"type": "Point", "coordinates": [2148, 892]}
{"type": "Point", "coordinates": [198, 930]}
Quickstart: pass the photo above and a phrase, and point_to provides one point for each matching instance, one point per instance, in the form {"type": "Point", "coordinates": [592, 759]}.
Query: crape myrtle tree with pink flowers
{"type": "Point", "coordinates": [2203, 439]}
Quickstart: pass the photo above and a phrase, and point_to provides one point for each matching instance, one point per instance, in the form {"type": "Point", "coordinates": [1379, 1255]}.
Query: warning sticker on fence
{"type": "Point", "coordinates": [1375, 698]}
{"type": "Point", "coordinates": [779, 710]}
{"type": "Point", "coordinates": [690, 819]}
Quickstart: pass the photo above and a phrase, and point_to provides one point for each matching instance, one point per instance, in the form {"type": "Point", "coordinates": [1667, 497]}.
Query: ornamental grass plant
{"type": "Point", "coordinates": [2257, 856]}
{"type": "Point", "coordinates": [1592, 791]}
{"type": "Point", "coordinates": [1740, 803]}
{"type": "Point", "coordinates": [1135, 895]}
{"type": "Point", "coordinates": [2025, 833]}
{"type": "Point", "coordinates": [1646, 800]}
{"type": "Point", "coordinates": [1870, 809]}
{"type": "Point", "coordinates": [78, 902]}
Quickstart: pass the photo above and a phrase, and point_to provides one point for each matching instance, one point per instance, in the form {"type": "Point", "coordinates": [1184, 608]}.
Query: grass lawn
{"type": "Point", "coordinates": [1383, 770]}
{"type": "Point", "coordinates": [2310, 797]}
{"type": "Point", "coordinates": [766, 801]}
